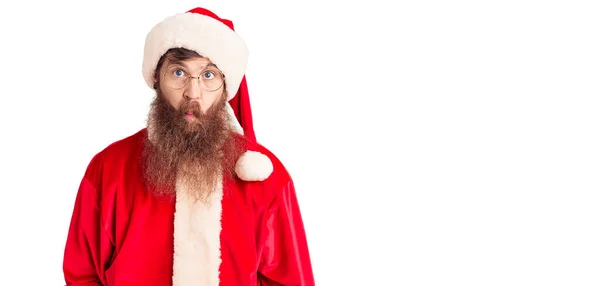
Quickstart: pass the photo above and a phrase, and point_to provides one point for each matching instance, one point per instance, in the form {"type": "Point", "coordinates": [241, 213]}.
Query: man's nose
{"type": "Point", "coordinates": [193, 90]}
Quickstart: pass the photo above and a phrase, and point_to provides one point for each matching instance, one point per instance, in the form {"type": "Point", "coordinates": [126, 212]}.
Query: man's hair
{"type": "Point", "coordinates": [173, 54]}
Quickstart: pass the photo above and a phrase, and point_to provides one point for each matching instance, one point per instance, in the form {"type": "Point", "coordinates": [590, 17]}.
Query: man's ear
{"type": "Point", "coordinates": [155, 79]}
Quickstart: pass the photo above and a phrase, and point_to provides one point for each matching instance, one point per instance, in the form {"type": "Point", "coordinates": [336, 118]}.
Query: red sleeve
{"type": "Point", "coordinates": [88, 248]}
{"type": "Point", "coordinates": [285, 258]}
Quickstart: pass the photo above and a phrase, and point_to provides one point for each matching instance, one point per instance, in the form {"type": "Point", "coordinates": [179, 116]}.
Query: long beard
{"type": "Point", "coordinates": [197, 154]}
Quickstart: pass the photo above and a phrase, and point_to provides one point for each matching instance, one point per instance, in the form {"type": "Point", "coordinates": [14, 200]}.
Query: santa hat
{"type": "Point", "coordinates": [212, 37]}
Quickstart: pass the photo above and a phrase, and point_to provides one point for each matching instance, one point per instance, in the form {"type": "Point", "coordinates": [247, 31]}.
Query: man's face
{"type": "Point", "coordinates": [190, 82]}
{"type": "Point", "coordinates": [188, 128]}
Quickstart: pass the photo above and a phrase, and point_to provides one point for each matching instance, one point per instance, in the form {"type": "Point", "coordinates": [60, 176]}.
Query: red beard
{"type": "Point", "coordinates": [197, 152]}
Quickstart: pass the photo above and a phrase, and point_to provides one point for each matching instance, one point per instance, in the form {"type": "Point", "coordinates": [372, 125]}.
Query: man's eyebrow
{"type": "Point", "coordinates": [209, 65]}
{"type": "Point", "coordinates": [182, 63]}
{"type": "Point", "coordinates": [175, 63]}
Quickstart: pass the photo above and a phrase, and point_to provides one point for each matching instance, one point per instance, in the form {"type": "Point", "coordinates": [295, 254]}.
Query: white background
{"type": "Point", "coordinates": [431, 142]}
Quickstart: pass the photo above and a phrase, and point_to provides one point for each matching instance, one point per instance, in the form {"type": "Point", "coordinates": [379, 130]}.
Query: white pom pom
{"type": "Point", "coordinates": [253, 166]}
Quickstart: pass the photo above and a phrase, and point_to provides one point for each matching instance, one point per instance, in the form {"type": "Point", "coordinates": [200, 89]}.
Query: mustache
{"type": "Point", "coordinates": [190, 106]}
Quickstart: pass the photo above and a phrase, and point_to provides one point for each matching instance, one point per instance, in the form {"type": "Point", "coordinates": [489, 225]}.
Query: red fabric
{"type": "Point", "coordinates": [243, 112]}
{"type": "Point", "coordinates": [120, 235]}
{"type": "Point", "coordinates": [240, 103]}
{"type": "Point", "coordinates": [206, 12]}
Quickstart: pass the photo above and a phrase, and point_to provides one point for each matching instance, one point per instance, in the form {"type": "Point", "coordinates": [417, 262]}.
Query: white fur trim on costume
{"type": "Point", "coordinates": [253, 166]}
{"type": "Point", "coordinates": [207, 36]}
{"type": "Point", "coordinates": [197, 245]}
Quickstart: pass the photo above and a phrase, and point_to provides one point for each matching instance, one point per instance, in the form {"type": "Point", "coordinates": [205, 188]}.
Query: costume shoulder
{"type": "Point", "coordinates": [258, 163]}
{"type": "Point", "coordinates": [263, 173]}
{"type": "Point", "coordinates": [115, 153]}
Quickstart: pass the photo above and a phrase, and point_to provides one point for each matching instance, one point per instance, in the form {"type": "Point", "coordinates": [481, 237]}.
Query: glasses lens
{"type": "Point", "coordinates": [211, 79]}
{"type": "Point", "coordinates": [175, 77]}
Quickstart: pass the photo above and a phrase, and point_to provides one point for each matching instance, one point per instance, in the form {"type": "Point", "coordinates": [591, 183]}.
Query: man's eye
{"type": "Point", "coordinates": [208, 75]}
{"type": "Point", "coordinates": [178, 73]}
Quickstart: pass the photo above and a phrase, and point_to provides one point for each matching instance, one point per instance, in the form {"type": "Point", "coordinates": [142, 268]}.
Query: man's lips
{"type": "Point", "coordinates": [191, 110]}
{"type": "Point", "coordinates": [190, 115]}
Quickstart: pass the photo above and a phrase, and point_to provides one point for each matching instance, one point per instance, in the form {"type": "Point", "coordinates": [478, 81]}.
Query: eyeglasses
{"type": "Point", "coordinates": [210, 79]}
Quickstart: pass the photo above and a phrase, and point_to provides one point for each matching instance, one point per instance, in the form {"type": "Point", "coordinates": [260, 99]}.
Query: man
{"type": "Point", "coordinates": [192, 199]}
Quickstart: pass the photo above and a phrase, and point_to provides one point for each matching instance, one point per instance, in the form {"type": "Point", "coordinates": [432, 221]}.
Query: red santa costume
{"type": "Point", "coordinates": [249, 233]}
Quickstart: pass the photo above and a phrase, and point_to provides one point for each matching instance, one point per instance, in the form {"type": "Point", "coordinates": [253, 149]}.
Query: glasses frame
{"type": "Point", "coordinates": [189, 79]}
